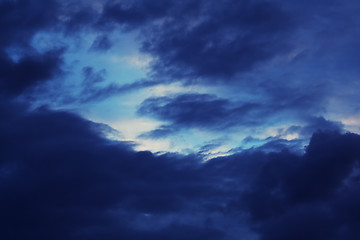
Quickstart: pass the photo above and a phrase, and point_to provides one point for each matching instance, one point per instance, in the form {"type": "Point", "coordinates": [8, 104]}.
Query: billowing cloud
{"type": "Point", "coordinates": [70, 182]}
{"type": "Point", "coordinates": [309, 196]}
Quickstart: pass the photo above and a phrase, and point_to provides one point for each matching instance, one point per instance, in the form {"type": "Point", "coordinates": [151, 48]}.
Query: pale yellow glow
{"type": "Point", "coordinates": [138, 60]}
{"type": "Point", "coordinates": [352, 124]}
{"type": "Point", "coordinates": [132, 127]}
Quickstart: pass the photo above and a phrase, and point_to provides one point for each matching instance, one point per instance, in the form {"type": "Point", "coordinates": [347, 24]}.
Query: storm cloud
{"type": "Point", "coordinates": [69, 181]}
{"type": "Point", "coordinates": [282, 77]}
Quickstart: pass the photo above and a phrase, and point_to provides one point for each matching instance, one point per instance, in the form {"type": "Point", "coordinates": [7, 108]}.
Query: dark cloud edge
{"type": "Point", "coordinates": [212, 113]}
{"type": "Point", "coordinates": [61, 179]}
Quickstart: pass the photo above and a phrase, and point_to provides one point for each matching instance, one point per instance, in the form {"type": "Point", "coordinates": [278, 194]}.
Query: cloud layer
{"type": "Point", "coordinates": [293, 65]}
{"type": "Point", "coordinates": [70, 182]}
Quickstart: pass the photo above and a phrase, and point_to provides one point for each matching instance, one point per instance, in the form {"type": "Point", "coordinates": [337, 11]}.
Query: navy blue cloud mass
{"type": "Point", "coordinates": [60, 178]}
{"type": "Point", "coordinates": [293, 65]}
{"type": "Point", "coordinates": [227, 39]}
{"type": "Point", "coordinates": [211, 112]}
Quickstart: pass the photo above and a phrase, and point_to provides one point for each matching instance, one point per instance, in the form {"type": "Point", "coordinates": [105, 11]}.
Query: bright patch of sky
{"type": "Point", "coordinates": [124, 64]}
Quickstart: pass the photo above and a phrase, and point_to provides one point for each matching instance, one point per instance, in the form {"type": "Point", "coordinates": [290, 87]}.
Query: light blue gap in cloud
{"type": "Point", "coordinates": [118, 63]}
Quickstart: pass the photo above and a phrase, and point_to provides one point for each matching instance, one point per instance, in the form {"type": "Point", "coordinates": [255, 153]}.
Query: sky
{"type": "Point", "coordinates": [191, 119]}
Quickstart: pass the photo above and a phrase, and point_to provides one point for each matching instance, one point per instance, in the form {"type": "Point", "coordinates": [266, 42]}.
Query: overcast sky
{"type": "Point", "coordinates": [191, 119]}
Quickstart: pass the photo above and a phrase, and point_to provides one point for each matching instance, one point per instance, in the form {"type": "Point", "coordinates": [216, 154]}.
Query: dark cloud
{"type": "Point", "coordinates": [97, 93]}
{"type": "Point", "coordinates": [69, 182]}
{"type": "Point", "coordinates": [208, 41]}
{"type": "Point", "coordinates": [199, 110]}
{"type": "Point", "coordinates": [314, 124]}
{"type": "Point", "coordinates": [320, 123]}
{"type": "Point", "coordinates": [60, 178]}
{"type": "Point", "coordinates": [20, 20]}
{"type": "Point", "coordinates": [22, 65]}
{"type": "Point", "coordinates": [17, 76]}
{"type": "Point", "coordinates": [302, 197]}
{"type": "Point", "coordinates": [218, 40]}
{"type": "Point", "coordinates": [213, 113]}
{"type": "Point", "coordinates": [161, 132]}
{"type": "Point", "coordinates": [78, 17]}
{"type": "Point", "coordinates": [299, 135]}
{"type": "Point", "coordinates": [101, 43]}
{"type": "Point", "coordinates": [200, 39]}
{"type": "Point", "coordinates": [300, 47]}
{"type": "Point", "coordinates": [93, 88]}
{"type": "Point", "coordinates": [277, 144]}
{"type": "Point", "coordinates": [134, 13]}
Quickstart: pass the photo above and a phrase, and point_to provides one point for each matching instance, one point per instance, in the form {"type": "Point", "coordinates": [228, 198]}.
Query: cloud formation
{"type": "Point", "coordinates": [62, 178]}
{"type": "Point", "coordinates": [214, 40]}
{"type": "Point", "coordinates": [70, 182]}
{"type": "Point", "coordinates": [307, 196]}
{"type": "Point", "coordinates": [204, 111]}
